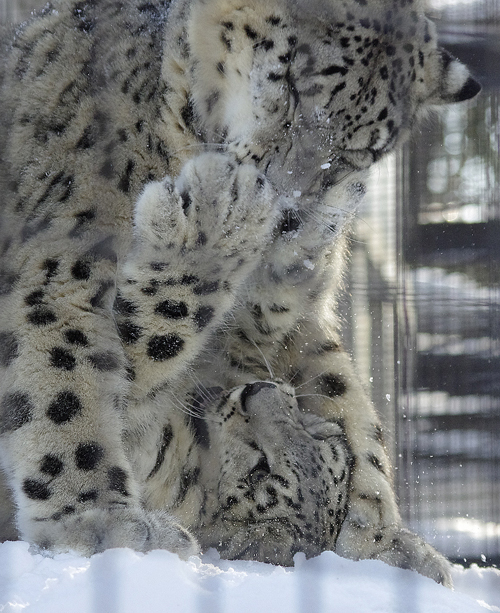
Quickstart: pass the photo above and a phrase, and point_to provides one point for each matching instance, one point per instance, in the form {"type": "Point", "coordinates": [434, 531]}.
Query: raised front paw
{"type": "Point", "coordinates": [217, 216]}
{"type": "Point", "coordinates": [98, 529]}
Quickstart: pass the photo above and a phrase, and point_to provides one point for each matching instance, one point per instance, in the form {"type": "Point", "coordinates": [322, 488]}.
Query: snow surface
{"type": "Point", "coordinates": [123, 581]}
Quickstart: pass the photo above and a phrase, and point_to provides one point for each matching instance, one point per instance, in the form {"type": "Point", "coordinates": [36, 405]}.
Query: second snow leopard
{"type": "Point", "coordinates": [177, 186]}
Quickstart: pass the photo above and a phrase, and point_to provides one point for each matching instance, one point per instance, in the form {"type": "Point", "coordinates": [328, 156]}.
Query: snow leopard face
{"type": "Point", "coordinates": [276, 479]}
{"type": "Point", "coordinates": [315, 90]}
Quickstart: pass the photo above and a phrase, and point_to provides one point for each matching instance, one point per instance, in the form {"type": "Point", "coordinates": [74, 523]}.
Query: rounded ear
{"type": "Point", "coordinates": [455, 83]}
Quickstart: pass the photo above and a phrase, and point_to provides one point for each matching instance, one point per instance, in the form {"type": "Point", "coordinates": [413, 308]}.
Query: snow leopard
{"type": "Point", "coordinates": [178, 182]}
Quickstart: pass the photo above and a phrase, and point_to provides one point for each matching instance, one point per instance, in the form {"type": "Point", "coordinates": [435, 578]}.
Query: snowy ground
{"type": "Point", "coordinates": [122, 581]}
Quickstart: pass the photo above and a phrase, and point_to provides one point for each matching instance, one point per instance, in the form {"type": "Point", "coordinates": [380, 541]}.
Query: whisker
{"type": "Point", "coordinates": [320, 220]}
{"type": "Point", "coordinates": [319, 395]}
{"type": "Point", "coordinates": [200, 388]}
{"type": "Point", "coordinates": [266, 362]}
{"type": "Point", "coordinates": [327, 222]}
{"type": "Point", "coordinates": [206, 393]}
{"type": "Point", "coordinates": [311, 379]}
{"type": "Point", "coordinates": [185, 408]}
{"type": "Point", "coordinates": [192, 410]}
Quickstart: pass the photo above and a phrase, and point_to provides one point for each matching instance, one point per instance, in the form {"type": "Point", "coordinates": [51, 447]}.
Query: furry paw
{"type": "Point", "coordinates": [407, 550]}
{"type": "Point", "coordinates": [217, 211]}
{"type": "Point", "coordinates": [96, 530]}
{"type": "Point", "coordinates": [395, 546]}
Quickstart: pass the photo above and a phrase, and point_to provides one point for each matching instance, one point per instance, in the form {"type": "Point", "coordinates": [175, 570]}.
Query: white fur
{"type": "Point", "coordinates": [210, 183]}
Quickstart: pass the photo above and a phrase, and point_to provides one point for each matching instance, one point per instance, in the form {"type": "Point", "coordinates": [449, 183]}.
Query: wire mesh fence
{"type": "Point", "coordinates": [424, 304]}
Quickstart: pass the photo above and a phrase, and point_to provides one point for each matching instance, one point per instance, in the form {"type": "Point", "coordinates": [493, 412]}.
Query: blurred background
{"type": "Point", "coordinates": [422, 299]}
{"type": "Point", "coordinates": [422, 306]}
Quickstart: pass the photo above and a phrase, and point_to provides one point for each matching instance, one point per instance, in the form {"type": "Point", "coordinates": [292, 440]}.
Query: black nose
{"type": "Point", "coordinates": [253, 388]}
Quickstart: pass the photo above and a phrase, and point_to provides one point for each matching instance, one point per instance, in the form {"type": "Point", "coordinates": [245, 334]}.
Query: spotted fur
{"type": "Point", "coordinates": [177, 182]}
